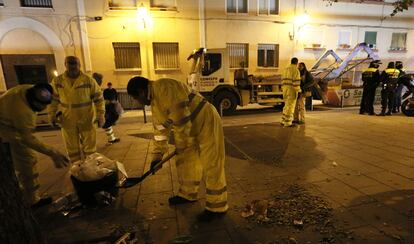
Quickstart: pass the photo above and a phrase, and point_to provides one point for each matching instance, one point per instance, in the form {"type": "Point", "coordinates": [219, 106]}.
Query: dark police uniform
{"type": "Point", "coordinates": [371, 78]}
{"type": "Point", "coordinates": [389, 79]}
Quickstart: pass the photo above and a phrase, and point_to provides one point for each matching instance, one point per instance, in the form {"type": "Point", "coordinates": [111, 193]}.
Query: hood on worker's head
{"type": "Point", "coordinates": [39, 96]}
{"type": "Point", "coordinates": [138, 89]}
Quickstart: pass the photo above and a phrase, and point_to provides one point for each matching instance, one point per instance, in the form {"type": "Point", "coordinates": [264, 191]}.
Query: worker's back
{"type": "Point", "coordinates": [15, 112]}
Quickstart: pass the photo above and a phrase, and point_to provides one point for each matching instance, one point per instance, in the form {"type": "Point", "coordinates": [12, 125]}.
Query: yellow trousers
{"type": "Point", "coordinates": [290, 95]}
{"type": "Point", "coordinates": [79, 142]}
{"type": "Point", "coordinates": [25, 166]}
{"type": "Point", "coordinates": [300, 110]}
{"type": "Point", "coordinates": [207, 158]}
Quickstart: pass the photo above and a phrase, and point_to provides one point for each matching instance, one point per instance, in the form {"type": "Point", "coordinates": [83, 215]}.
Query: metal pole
{"type": "Point", "coordinates": [145, 114]}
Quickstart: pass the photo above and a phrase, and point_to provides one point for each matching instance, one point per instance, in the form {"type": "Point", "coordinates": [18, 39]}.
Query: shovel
{"type": "Point", "coordinates": [132, 181]}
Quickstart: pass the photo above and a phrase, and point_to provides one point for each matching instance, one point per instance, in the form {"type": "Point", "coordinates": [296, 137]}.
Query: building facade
{"type": "Point", "coordinates": [153, 38]}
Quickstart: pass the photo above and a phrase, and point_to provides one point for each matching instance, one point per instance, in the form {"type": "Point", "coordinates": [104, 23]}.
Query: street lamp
{"type": "Point", "coordinates": [298, 22]}
{"type": "Point", "coordinates": [143, 16]}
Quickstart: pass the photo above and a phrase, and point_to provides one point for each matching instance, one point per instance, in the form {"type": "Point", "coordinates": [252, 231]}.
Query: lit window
{"type": "Point", "coordinates": [127, 55]}
{"type": "Point", "coordinates": [344, 39]}
{"type": "Point", "coordinates": [268, 7]}
{"type": "Point", "coordinates": [122, 4]}
{"type": "Point", "coordinates": [36, 3]}
{"type": "Point", "coordinates": [268, 55]}
{"type": "Point", "coordinates": [399, 41]}
{"type": "Point", "coordinates": [236, 6]}
{"type": "Point", "coordinates": [238, 55]}
{"type": "Point", "coordinates": [163, 4]}
{"type": "Point", "coordinates": [166, 55]}
{"type": "Point", "coordinates": [371, 39]}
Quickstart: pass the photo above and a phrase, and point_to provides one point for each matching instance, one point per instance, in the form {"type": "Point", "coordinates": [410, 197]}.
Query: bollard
{"type": "Point", "coordinates": [145, 114]}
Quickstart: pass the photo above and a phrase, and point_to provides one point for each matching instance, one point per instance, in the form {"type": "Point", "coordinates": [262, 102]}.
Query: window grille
{"type": "Point", "coordinates": [166, 55]}
{"type": "Point", "coordinates": [36, 3]}
{"type": "Point", "coordinates": [238, 54]}
{"type": "Point", "coordinates": [127, 55]}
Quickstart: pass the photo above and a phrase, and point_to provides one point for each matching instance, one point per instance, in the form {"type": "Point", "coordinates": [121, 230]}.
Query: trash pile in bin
{"type": "Point", "coordinates": [95, 181]}
{"type": "Point", "coordinates": [294, 207]}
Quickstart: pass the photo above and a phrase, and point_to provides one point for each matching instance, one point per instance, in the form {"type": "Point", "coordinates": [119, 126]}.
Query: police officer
{"type": "Point", "coordinates": [371, 78]}
{"type": "Point", "coordinates": [389, 79]}
{"type": "Point", "coordinates": [397, 100]}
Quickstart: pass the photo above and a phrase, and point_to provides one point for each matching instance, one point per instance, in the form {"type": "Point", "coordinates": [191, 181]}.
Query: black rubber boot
{"type": "Point", "coordinates": [388, 113]}
{"type": "Point", "coordinates": [382, 113]}
{"type": "Point", "coordinates": [176, 200]}
{"type": "Point", "coordinates": [208, 216]}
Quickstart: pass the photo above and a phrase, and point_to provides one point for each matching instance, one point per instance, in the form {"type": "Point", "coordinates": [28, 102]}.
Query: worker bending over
{"type": "Point", "coordinates": [18, 107]}
{"type": "Point", "coordinates": [198, 135]}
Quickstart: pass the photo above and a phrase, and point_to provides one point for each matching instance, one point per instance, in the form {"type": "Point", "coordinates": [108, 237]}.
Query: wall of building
{"type": "Point", "coordinates": [181, 26]}
{"type": "Point", "coordinates": [39, 31]}
{"type": "Point", "coordinates": [251, 28]}
{"type": "Point", "coordinates": [192, 28]}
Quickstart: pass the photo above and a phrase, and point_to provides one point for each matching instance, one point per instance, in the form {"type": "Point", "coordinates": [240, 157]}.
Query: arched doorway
{"type": "Point", "coordinates": [28, 47]}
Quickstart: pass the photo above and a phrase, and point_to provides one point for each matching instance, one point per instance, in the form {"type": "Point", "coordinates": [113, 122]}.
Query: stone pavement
{"type": "Point", "coordinates": [362, 165]}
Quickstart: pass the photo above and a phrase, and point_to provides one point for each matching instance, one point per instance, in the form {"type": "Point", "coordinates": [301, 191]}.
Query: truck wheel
{"type": "Point", "coordinates": [407, 107]}
{"type": "Point", "coordinates": [227, 101]}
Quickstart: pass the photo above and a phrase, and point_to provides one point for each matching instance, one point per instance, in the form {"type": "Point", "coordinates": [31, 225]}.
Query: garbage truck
{"type": "Point", "coordinates": [210, 75]}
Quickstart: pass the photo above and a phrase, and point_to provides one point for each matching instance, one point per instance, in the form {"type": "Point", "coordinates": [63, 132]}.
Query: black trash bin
{"type": "Point", "coordinates": [86, 190]}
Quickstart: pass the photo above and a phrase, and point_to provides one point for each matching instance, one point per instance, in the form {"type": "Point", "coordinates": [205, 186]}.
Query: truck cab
{"type": "Point", "coordinates": [210, 75]}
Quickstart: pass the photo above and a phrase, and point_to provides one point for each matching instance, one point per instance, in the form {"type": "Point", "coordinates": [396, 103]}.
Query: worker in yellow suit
{"type": "Point", "coordinates": [198, 136]}
{"type": "Point", "coordinates": [18, 107]}
{"type": "Point", "coordinates": [291, 88]}
{"type": "Point", "coordinates": [77, 105]}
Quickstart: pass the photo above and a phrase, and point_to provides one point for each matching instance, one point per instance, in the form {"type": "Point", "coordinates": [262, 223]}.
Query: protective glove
{"type": "Point", "coordinates": [55, 119]}
{"type": "Point", "coordinates": [59, 159]}
{"type": "Point", "coordinates": [101, 121]}
{"type": "Point", "coordinates": [155, 160]}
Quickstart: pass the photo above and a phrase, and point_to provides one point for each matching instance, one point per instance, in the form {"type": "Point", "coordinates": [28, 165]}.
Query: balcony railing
{"type": "Point", "coordinates": [36, 3]}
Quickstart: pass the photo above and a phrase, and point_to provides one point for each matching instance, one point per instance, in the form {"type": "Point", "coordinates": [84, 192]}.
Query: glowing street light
{"type": "Point", "coordinates": [302, 20]}
{"type": "Point", "coordinates": [143, 16]}
{"type": "Point", "coordinates": [298, 22]}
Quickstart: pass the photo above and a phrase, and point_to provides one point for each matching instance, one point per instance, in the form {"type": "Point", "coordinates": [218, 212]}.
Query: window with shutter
{"type": "Point", "coordinates": [127, 55]}
{"type": "Point", "coordinates": [166, 55]}
{"type": "Point", "coordinates": [238, 55]}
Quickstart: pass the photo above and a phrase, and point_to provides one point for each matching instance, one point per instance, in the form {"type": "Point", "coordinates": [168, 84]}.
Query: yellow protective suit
{"type": "Point", "coordinates": [300, 110]}
{"type": "Point", "coordinates": [80, 101]}
{"type": "Point", "coordinates": [17, 124]}
{"type": "Point", "coordinates": [291, 88]}
{"type": "Point", "coordinates": [198, 135]}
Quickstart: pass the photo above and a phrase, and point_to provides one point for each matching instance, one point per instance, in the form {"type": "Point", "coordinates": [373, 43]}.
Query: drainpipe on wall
{"type": "Point", "coordinates": [202, 22]}
{"type": "Point", "coordinates": [3, 87]}
{"type": "Point", "coordinates": [84, 37]}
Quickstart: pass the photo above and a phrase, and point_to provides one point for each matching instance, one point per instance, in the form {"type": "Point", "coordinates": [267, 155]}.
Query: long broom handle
{"type": "Point", "coordinates": [156, 167]}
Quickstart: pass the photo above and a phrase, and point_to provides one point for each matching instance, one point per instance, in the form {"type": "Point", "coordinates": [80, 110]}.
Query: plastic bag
{"type": "Point", "coordinates": [94, 167]}
{"type": "Point", "coordinates": [118, 108]}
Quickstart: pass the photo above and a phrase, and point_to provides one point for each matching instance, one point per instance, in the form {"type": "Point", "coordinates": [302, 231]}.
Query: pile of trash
{"type": "Point", "coordinates": [294, 207]}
